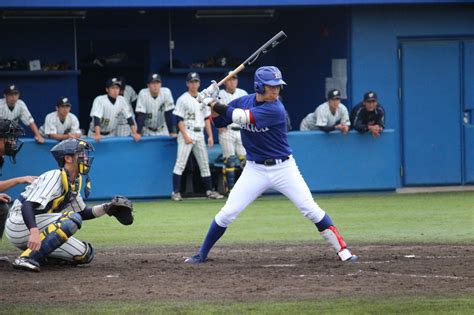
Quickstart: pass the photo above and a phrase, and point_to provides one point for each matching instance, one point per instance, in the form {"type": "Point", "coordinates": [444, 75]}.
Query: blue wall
{"type": "Point", "coordinates": [336, 163]}
{"type": "Point", "coordinates": [375, 32]}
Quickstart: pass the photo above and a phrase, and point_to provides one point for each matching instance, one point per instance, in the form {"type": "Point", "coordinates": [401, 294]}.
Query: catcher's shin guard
{"type": "Point", "coordinates": [87, 256]}
{"type": "Point", "coordinates": [55, 235]}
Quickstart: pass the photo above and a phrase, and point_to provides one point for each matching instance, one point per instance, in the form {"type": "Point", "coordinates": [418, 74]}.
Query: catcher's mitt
{"type": "Point", "coordinates": [121, 208]}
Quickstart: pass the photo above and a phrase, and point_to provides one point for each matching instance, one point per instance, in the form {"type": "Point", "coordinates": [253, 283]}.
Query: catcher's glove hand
{"type": "Point", "coordinates": [121, 208]}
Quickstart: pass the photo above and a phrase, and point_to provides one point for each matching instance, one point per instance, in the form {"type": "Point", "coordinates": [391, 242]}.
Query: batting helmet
{"type": "Point", "coordinates": [10, 130]}
{"type": "Point", "coordinates": [268, 75]}
{"type": "Point", "coordinates": [73, 147]}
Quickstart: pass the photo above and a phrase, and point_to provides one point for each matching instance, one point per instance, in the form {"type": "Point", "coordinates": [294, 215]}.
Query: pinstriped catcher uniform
{"type": "Point", "coordinates": [193, 114]}
{"type": "Point", "coordinates": [154, 110]}
{"type": "Point", "coordinates": [47, 190]}
{"type": "Point", "coordinates": [123, 128]}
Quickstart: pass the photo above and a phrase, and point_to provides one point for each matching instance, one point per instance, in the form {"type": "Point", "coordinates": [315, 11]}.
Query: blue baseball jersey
{"type": "Point", "coordinates": [266, 137]}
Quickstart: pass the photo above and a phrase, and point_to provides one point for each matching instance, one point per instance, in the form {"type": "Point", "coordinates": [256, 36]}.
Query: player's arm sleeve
{"type": "Point", "coordinates": [28, 213]}
{"type": "Point", "coordinates": [321, 119]}
{"type": "Point", "coordinates": [141, 107]}
{"type": "Point", "coordinates": [169, 101]}
{"type": "Point", "coordinates": [345, 117]}
{"type": "Point", "coordinates": [263, 116]}
{"type": "Point", "coordinates": [97, 110]}
{"type": "Point", "coordinates": [357, 121]}
{"type": "Point", "coordinates": [179, 110]}
{"type": "Point", "coordinates": [49, 187]}
{"type": "Point", "coordinates": [140, 121]}
{"type": "Point", "coordinates": [169, 120]}
{"type": "Point", "coordinates": [75, 128]}
{"type": "Point", "coordinates": [381, 116]}
{"type": "Point", "coordinates": [327, 128]}
{"type": "Point", "coordinates": [25, 116]}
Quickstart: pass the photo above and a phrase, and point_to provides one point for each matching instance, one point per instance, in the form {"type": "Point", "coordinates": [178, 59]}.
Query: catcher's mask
{"type": "Point", "coordinates": [10, 130]}
{"type": "Point", "coordinates": [80, 149]}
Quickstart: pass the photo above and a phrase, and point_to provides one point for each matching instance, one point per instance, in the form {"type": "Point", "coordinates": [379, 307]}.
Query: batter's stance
{"type": "Point", "coordinates": [270, 163]}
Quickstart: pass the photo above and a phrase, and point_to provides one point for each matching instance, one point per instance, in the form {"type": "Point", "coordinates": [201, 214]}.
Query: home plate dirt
{"type": "Point", "coordinates": [244, 273]}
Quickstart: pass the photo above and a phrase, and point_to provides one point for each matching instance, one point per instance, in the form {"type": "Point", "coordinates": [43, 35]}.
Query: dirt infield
{"type": "Point", "coordinates": [243, 273]}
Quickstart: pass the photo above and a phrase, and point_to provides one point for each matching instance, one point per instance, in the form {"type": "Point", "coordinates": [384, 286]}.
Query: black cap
{"type": "Point", "coordinates": [154, 77]}
{"type": "Point", "coordinates": [113, 81]}
{"type": "Point", "coordinates": [63, 101]}
{"type": "Point", "coordinates": [11, 89]}
{"type": "Point", "coordinates": [334, 94]}
{"type": "Point", "coordinates": [370, 96]}
{"type": "Point", "coordinates": [193, 76]}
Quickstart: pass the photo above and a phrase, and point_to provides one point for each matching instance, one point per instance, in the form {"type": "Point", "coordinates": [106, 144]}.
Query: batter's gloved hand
{"type": "Point", "coordinates": [211, 91]}
{"type": "Point", "coordinates": [121, 208]}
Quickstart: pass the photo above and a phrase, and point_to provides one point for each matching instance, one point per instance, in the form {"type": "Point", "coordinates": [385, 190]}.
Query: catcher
{"type": "Point", "coordinates": [49, 211]}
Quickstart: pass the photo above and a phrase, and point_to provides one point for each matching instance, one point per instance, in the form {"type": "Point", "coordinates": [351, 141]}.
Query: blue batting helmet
{"type": "Point", "coordinates": [268, 75]}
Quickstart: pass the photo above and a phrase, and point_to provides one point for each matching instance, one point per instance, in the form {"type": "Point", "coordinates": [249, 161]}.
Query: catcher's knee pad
{"type": "Point", "coordinates": [87, 257]}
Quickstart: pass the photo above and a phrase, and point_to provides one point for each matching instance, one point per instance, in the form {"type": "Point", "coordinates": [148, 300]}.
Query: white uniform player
{"type": "Point", "coordinates": [154, 108]}
{"type": "Point", "coordinates": [270, 164]}
{"type": "Point", "coordinates": [229, 137]}
{"type": "Point", "coordinates": [123, 128]}
{"type": "Point", "coordinates": [12, 108]}
{"type": "Point", "coordinates": [105, 112]}
{"type": "Point", "coordinates": [193, 118]}
{"type": "Point", "coordinates": [333, 115]}
{"type": "Point", "coordinates": [61, 124]}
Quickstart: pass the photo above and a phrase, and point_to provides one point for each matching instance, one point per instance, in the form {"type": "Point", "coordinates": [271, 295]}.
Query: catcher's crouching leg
{"type": "Point", "coordinates": [52, 237]}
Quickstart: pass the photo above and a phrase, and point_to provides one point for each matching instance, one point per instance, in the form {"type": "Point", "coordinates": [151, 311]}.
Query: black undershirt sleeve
{"type": "Point", "coordinates": [96, 121]}
{"type": "Point", "coordinates": [327, 128]}
{"type": "Point", "coordinates": [140, 121]}
{"type": "Point", "coordinates": [169, 120]}
{"type": "Point", "coordinates": [87, 214]}
{"type": "Point", "coordinates": [130, 121]}
{"type": "Point", "coordinates": [28, 213]}
{"type": "Point", "coordinates": [221, 109]}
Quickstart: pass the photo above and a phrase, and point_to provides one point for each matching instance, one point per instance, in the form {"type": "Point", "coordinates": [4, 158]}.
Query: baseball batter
{"type": "Point", "coordinates": [123, 128]}
{"type": "Point", "coordinates": [270, 164]}
{"type": "Point", "coordinates": [13, 108]}
{"type": "Point", "coordinates": [61, 124]}
{"type": "Point", "coordinates": [193, 118]}
{"type": "Point", "coordinates": [229, 137]}
{"type": "Point", "coordinates": [9, 146]}
{"type": "Point", "coordinates": [49, 212]}
{"type": "Point", "coordinates": [155, 107]}
{"type": "Point", "coordinates": [105, 112]}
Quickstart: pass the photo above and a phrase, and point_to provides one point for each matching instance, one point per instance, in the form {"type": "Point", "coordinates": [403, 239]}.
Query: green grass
{"type": "Point", "coordinates": [393, 305]}
{"type": "Point", "coordinates": [440, 218]}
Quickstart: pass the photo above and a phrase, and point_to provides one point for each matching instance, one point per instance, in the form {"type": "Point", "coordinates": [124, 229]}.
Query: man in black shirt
{"type": "Point", "coordinates": [369, 115]}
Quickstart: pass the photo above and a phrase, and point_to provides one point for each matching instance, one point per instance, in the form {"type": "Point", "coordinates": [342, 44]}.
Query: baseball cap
{"type": "Point", "coordinates": [154, 77]}
{"type": "Point", "coordinates": [370, 96]}
{"type": "Point", "coordinates": [334, 94]}
{"type": "Point", "coordinates": [113, 81]}
{"type": "Point", "coordinates": [11, 89]}
{"type": "Point", "coordinates": [193, 76]}
{"type": "Point", "coordinates": [63, 101]}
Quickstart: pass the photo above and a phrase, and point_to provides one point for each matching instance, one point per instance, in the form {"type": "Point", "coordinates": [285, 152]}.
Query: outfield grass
{"type": "Point", "coordinates": [440, 217]}
{"type": "Point", "coordinates": [393, 305]}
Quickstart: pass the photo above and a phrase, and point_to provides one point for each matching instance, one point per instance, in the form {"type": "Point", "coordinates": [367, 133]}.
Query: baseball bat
{"type": "Point", "coordinates": [265, 48]}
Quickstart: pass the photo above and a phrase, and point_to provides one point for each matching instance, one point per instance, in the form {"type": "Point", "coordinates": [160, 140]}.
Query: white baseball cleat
{"type": "Point", "coordinates": [176, 196]}
{"type": "Point", "coordinates": [25, 263]}
{"type": "Point", "coordinates": [213, 195]}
